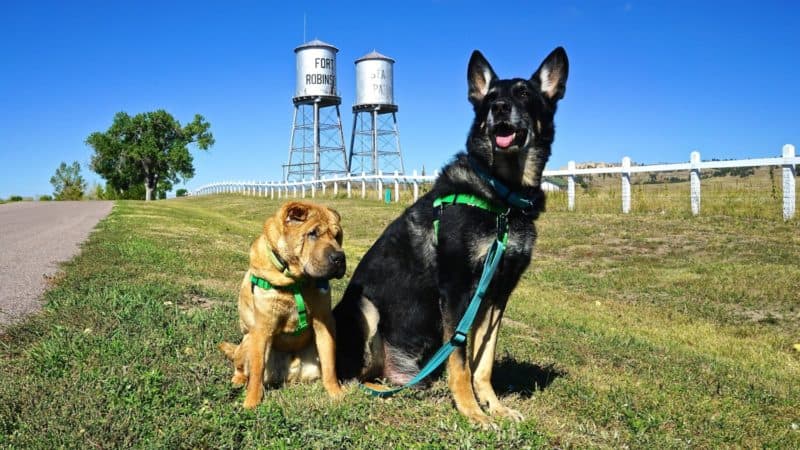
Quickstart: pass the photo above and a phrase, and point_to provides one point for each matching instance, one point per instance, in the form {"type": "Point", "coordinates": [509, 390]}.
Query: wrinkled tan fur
{"type": "Point", "coordinates": [269, 352]}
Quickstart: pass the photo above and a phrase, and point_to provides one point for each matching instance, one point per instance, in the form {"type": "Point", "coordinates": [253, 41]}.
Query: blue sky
{"type": "Point", "coordinates": [650, 80]}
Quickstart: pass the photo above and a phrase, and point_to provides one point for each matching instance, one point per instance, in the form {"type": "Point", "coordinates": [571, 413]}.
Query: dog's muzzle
{"type": "Point", "coordinates": [505, 136]}
{"type": "Point", "coordinates": [338, 264]}
{"type": "Point", "coordinates": [504, 130]}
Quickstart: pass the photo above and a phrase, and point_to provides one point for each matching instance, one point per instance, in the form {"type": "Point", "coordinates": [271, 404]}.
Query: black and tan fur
{"type": "Point", "coordinates": [408, 292]}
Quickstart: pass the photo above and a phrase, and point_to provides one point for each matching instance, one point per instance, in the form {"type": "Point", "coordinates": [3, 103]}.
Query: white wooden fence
{"type": "Point", "coordinates": [278, 189]}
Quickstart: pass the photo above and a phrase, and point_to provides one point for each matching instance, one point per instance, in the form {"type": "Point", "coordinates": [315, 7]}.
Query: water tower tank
{"type": "Point", "coordinates": [374, 80]}
{"type": "Point", "coordinates": [316, 70]}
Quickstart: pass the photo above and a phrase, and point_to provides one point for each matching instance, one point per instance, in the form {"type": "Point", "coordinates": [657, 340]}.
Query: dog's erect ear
{"type": "Point", "coordinates": [479, 77]}
{"type": "Point", "coordinates": [552, 75]}
{"type": "Point", "coordinates": [295, 213]}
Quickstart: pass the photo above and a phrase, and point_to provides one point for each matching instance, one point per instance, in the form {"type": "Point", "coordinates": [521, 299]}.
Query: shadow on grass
{"type": "Point", "coordinates": [522, 378]}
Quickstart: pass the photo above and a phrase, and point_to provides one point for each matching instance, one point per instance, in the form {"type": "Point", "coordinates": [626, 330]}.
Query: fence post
{"type": "Point", "coordinates": [380, 185]}
{"type": "Point", "coordinates": [571, 186]}
{"type": "Point", "coordinates": [349, 186]}
{"type": "Point", "coordinates": [335, 188]}
{"type": "Point", "coordinates": [416, 187]}
{"type": "Point", "coordinates": [363, 186]}
{"type": "Point", "coordinates": [396, 188]}
{"type": "Point", "coordinates": [324, 188]}
{"type": "Point", "coordinates": [789, 173]}
{"type": "Point", "coordinates": [694, 182]}
{"type": "Point", "coordinates": [626, 185]}
{"type": "Point", "coordinates": [313, 189]}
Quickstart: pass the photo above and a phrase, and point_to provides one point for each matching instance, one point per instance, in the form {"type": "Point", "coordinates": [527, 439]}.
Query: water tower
{"type": "Point", "coordinates": [316, 146]}
{"type": "Point", "coordinates": [375, 143]}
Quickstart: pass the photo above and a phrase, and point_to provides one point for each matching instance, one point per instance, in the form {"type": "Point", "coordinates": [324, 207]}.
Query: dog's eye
{"type": "Point", "coordinates": [521, 92]}
{"type": "Point", "coordinates": [312, 234]}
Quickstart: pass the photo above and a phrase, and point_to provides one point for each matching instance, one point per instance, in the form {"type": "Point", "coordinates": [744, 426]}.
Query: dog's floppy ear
{"type": "Point", "coordinates": [552, 75]}
{"type": "Point", "coordinates": [479, 77]}
{"type": "Point", "coordinates": [336, 214]}
{"type": "Point", "coordinates": [295, 213]}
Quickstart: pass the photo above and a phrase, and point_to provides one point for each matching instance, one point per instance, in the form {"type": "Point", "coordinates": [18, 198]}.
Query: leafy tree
{"type": "Point", "coordinates": [68, 184]}
{"type": "Point", "coordinates": [181, 193]}
{"type": "Point", "coordinates": [149, 150]}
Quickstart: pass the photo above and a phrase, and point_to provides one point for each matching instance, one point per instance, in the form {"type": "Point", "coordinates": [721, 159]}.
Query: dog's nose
{"type": "Point", "coordinates": [501, 107]}
{"type": "Point", "coordinates": [337, 259]}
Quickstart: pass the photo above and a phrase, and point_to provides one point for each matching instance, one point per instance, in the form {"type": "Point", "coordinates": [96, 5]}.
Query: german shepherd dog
{"type": "Point", "coordinates": [412, 287]}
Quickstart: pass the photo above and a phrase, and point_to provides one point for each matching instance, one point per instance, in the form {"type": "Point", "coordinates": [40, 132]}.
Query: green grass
{"type": "Point", "coordinates": [647, 330]}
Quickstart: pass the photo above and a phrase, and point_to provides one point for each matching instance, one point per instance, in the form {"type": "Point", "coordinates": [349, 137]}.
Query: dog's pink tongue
{"type": "Point", "coordinates": [504, 141]}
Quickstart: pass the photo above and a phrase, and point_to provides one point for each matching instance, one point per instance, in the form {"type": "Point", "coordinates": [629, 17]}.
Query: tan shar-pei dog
{"type": "Point", "coordinates": [285, 302]}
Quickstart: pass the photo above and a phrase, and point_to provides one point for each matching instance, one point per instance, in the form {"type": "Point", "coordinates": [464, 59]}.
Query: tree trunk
{"type": "Point", "coordinates": [150, 183]}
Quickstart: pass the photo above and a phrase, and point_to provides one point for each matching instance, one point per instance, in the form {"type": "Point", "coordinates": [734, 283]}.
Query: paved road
{"type": "Point", "coordinates": [34, 238]}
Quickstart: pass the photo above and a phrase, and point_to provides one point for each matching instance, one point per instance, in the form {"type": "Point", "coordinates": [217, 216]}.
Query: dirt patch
{"type": "Point", "coordinates": [195, 302]}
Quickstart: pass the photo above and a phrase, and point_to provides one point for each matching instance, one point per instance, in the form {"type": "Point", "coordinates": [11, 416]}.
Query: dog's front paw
{"type": "Point", "coordinates": [239, 379]}
{"type": "Point", "coordinates": [504, 411]}
{"type": "Point", "coordinates": [251, 401]}
{"type": "Point", "coordinates": [480, 419]}
{"type": "Point", "coordinates": [335, 391]}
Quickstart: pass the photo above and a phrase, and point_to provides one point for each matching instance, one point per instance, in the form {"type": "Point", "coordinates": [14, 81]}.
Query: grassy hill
{"type": "Point", "coordinates": [640, 330]}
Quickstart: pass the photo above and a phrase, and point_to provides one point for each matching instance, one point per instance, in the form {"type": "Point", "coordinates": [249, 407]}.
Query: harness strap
{"type": "Point", "coordinates": [525, 205]}
{"type": "Point", "coordinates": [302, 314]}
{"type": "Point", "coordinates": [278, 262]}
{"type": "Point", "coordinates": [474, 201]}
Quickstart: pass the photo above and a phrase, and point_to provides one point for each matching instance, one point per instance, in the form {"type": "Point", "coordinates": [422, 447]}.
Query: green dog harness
{"type": "Point", "coordinates": [302, 315]}
{"type": "Point", "coordinates": [477, 202]}
{"type": "Point", "coordinates": [294, 288]}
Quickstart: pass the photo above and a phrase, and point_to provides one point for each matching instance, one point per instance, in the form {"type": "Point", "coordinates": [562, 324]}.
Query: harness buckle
{"type": "Point", "coordinates": [502, 226]}
{"type": "Point", "coordinates": [459, 339]}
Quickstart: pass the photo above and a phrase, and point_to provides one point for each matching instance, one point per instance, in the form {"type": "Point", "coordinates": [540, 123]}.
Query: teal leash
{"type": "Point", "coordinates": [459, 339]}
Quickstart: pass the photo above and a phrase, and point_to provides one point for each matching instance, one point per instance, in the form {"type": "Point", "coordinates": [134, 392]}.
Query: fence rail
{"type": "Point", "coordinates": [278, 189]}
